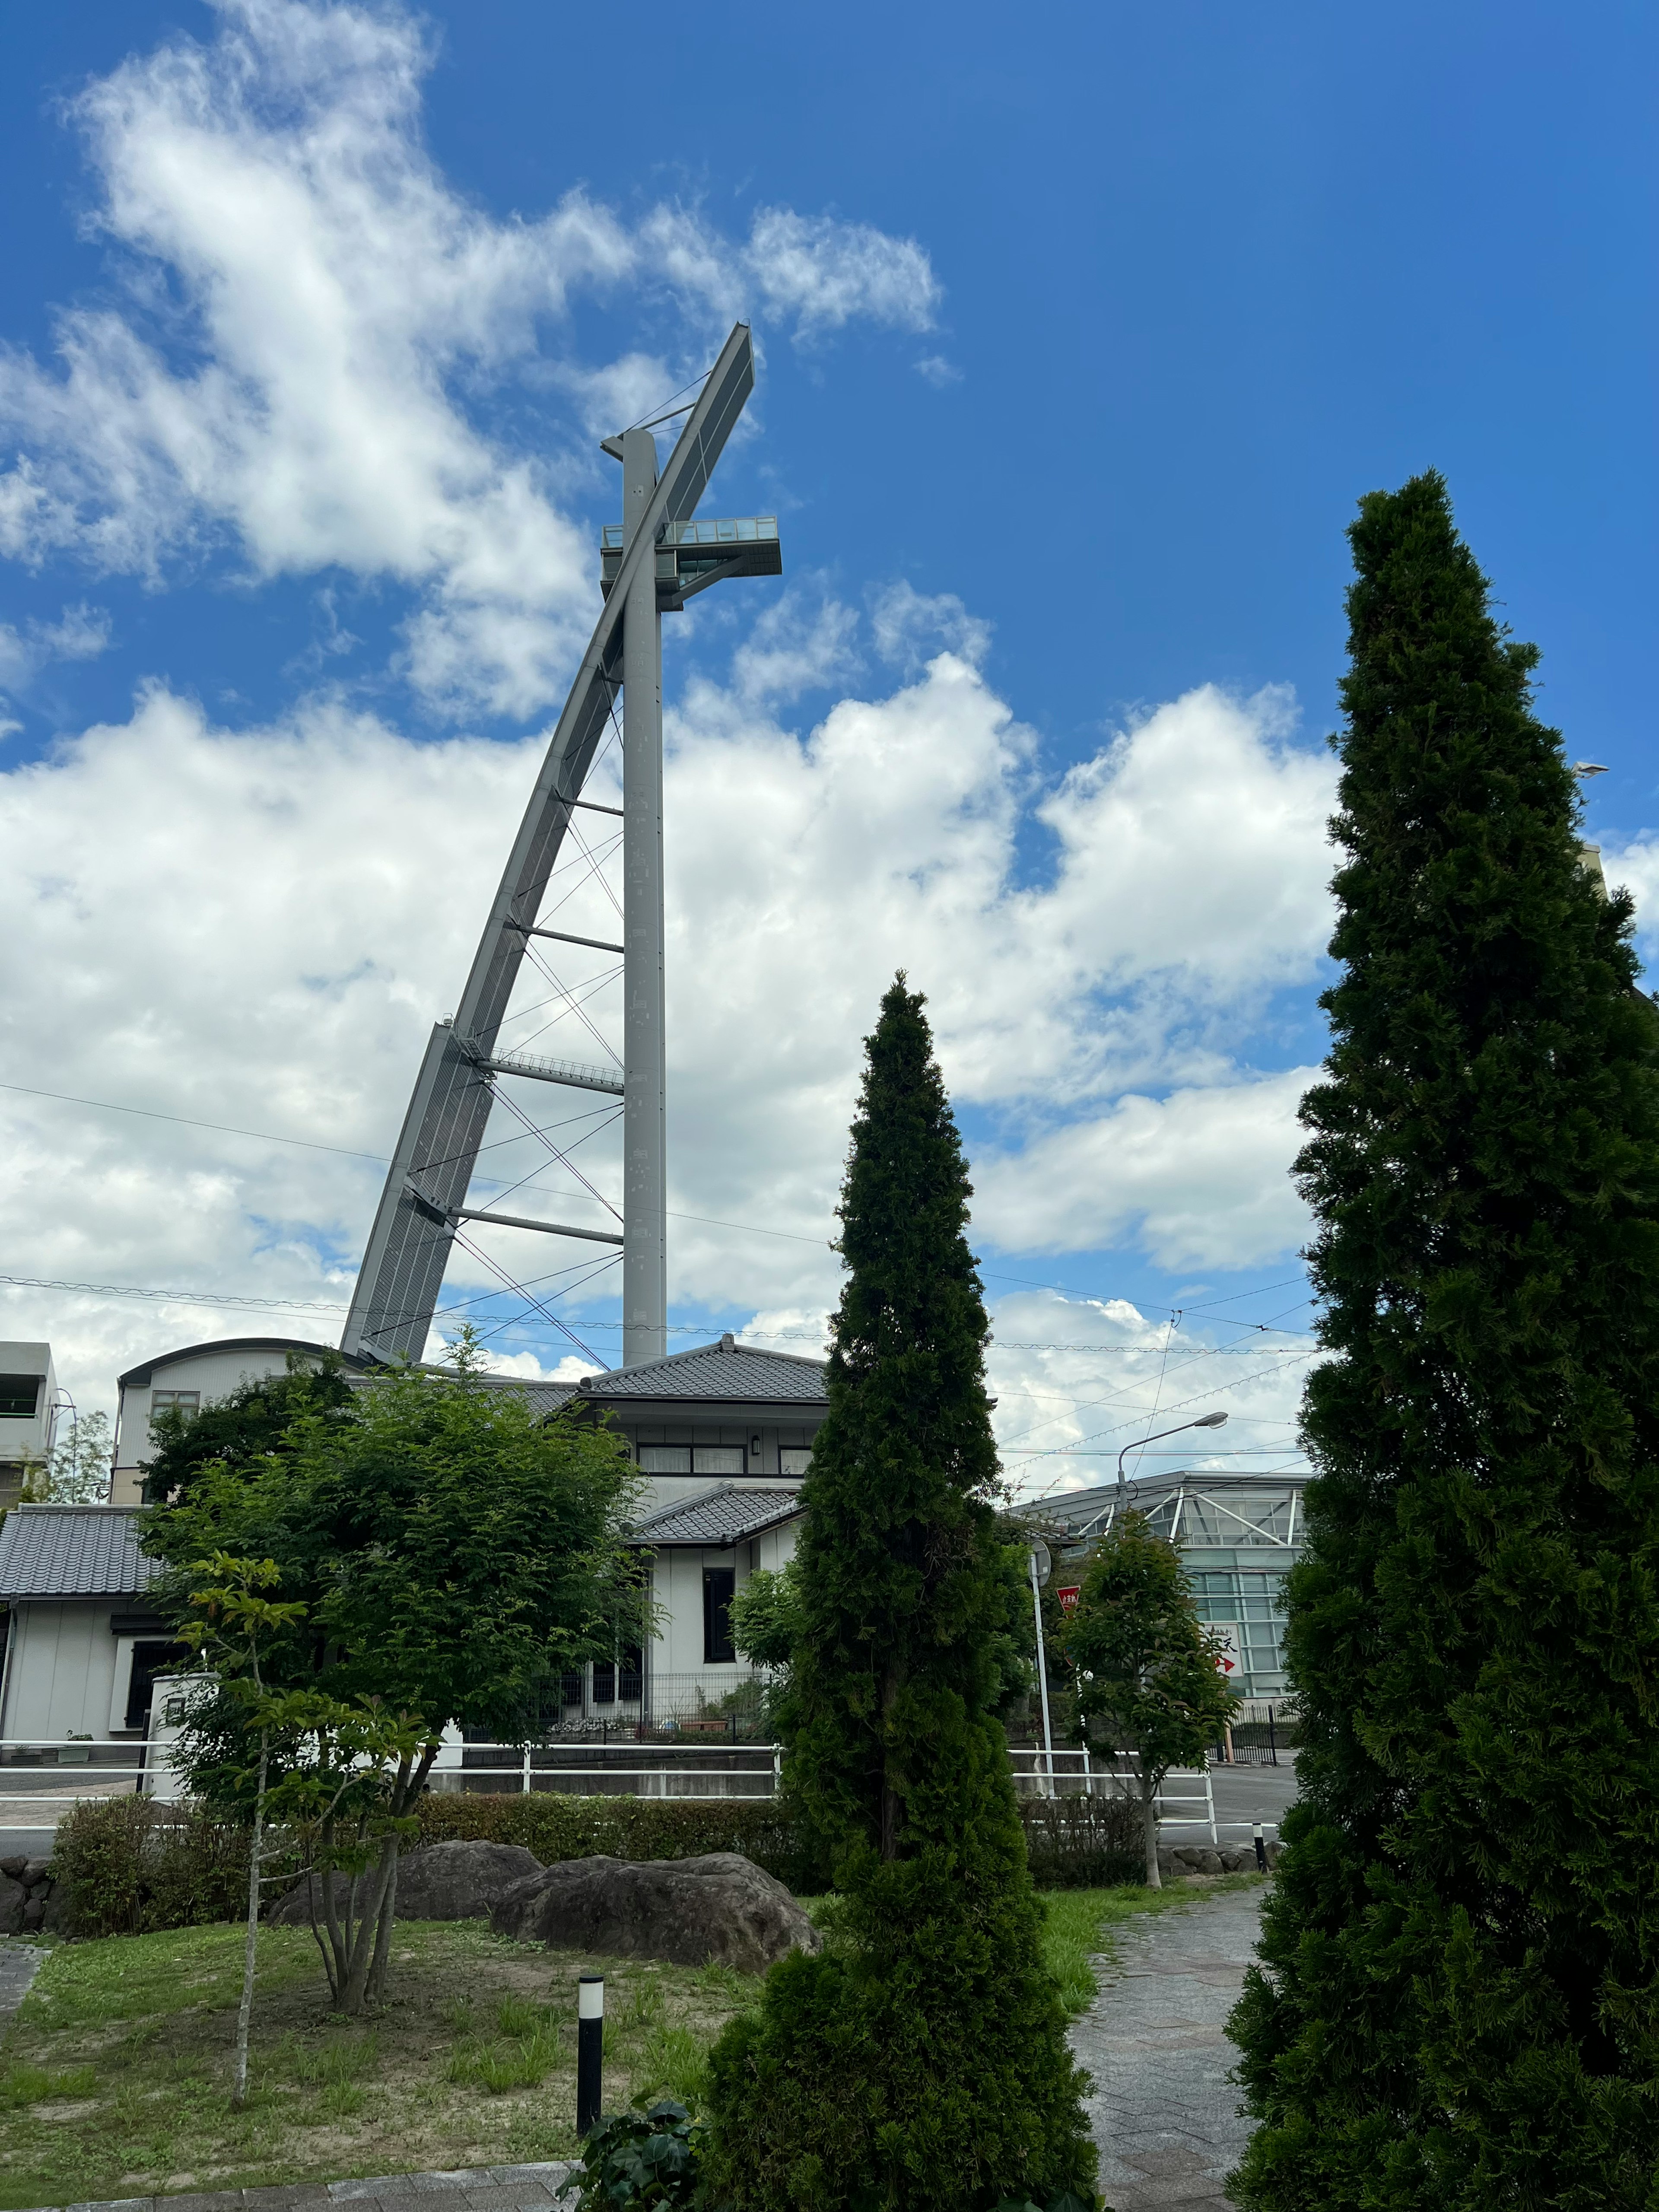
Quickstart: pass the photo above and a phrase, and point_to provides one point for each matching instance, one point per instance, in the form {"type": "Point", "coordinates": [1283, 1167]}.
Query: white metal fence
{"type": "Point", "coordinates": [42, 1778]}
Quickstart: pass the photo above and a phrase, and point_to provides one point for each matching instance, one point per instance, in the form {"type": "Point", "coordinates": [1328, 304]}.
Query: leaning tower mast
{"type": "Point", "coordinates": [660, 556]}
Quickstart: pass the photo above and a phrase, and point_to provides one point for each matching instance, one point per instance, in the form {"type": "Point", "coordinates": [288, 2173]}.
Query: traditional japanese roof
{"type": "Point", "coordinates": [72, 1551]}
{"type": "Point", "coordinates": [727, 1515]}
{"type": "Point", "coordinates": [736, 1373]}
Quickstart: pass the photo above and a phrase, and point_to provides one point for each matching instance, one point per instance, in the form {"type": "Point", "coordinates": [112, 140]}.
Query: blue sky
{"type": "Point", "coordinates": [1081, 333]}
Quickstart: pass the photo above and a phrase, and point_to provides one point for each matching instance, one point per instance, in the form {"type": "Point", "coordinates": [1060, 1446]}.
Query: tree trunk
{"type": "Point", "coordinates": [251, 1954]}
{"type": "Point", "coordinates": [1149, 1826]}
{"type": "Point", "coordinates": [353, 1996]}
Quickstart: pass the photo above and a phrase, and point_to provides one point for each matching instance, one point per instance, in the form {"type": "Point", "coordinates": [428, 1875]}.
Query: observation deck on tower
{"type": "Point", "coordinates": [692, 556]}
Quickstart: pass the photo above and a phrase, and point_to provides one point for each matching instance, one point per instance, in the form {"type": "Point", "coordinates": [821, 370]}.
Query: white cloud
{"type": "Point", "coordinates": [938, 372]}
{"type": "Point", "coordinates": [1077, 1379]}
{"type": "Point", "coordinates": [81, 633]}
{"type": "Point", "coordinates": [1199, 1178]}
{"type": "Point", "coordinates": [1632, 864]}
{"type": "Point", "coordinates": [257, 929]}
{"type": "Point", "coordinates": [910, 627]}
{"type": "Point", "coordinates": [827, 272]}
{"type": "Point", "coordinates": [311, 316]}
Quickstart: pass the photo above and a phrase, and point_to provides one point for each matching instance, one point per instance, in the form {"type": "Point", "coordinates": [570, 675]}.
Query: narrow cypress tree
{"type": "Point", "coordinates": [1457, 2005]}
{"type": "Point", "coordinates": [922, 2061]}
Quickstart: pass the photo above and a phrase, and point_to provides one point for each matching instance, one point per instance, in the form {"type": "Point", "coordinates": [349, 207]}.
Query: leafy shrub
{"type": "Point", "coordinates": [1083, 1842]}
{"type": "Point", "coordinates": [639, 2158]}
{"type": "Point", "coordinates": [1073, 1843]}
{"type": "Point", "coordinates": [556, 1826]}
{"type": "Point", "coordinates": [129, 1866]}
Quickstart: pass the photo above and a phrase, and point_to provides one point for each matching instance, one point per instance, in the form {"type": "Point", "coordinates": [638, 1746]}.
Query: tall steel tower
{"type": "Point", "coordinates": [650, 565]}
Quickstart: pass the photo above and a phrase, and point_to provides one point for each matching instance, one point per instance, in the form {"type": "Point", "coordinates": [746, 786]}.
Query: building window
{"type": "Point", "coordinates": [664, 1459]}
{"type": "Point", "coordinates": [718, 1459]}
{"type": "Point", "coordinates": [148, 1662]}
{"type": "Point", "coordinates": [633, 1664]}
{"type": "Point", "coordinates": [718, 1584]}
{"type": "Point", "coordinates": [20, 1397]}
{"type": "Point", "coordinates": [604, 1681]}
{"type": "Point", "coordinates": [181, 1401]}
{"type": "Point", "coordinates": [795, 1459]}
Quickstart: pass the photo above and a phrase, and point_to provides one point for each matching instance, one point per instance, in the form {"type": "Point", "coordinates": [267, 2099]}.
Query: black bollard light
{"type": "Point", "coordinates": [590, 2051]}
{"type": "Point", "coordinates": [1260, 1850]}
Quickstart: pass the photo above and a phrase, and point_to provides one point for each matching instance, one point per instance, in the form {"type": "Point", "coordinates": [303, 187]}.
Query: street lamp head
{"type": "Point", "coordinates": [1210, 1421]}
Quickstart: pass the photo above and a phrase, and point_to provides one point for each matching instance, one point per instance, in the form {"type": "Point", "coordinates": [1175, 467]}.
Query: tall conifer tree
{"type": "Point", "coordinates": [922, 2061]}
{"type": "Point", "coordinates": [1458, 2005]}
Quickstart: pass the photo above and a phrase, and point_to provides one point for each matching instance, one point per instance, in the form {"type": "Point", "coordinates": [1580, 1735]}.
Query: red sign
{"type": "Point", "coordinates": [1068, 1598]}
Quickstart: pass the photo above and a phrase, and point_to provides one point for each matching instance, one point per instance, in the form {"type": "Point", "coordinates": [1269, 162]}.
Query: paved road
{"type": "Point", "coordinates": [29, 1842]}
{"type": "Point", "coordinates": [1247, 1794]}
{"type": "Point", "coordinates": [1163, 2111]}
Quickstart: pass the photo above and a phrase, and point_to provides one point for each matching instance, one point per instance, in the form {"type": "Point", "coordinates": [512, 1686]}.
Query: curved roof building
{"type": "Point", "coordinates": [1238, 1535]}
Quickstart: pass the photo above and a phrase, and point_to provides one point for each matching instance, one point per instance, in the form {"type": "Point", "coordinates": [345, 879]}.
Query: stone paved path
{"type": "Point", "coordinates": [474, 2189]}
{"type": "Point", "coordinates": [18, 1964]}
{"type": "Point", "coordinates": [1163, 2111]}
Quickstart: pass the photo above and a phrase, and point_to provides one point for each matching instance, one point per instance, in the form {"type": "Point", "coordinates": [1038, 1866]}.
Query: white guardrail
{"type": "Point", "coordinates": [50, 1774]}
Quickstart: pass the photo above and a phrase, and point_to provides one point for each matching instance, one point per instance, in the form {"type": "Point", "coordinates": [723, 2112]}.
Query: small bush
{"type": "Point", "coordinates": [130, 1866]}
{"type": "Point", "coordinates": [1083, 1842]}
{"type": "Point", "coordinates": [639, 2158]}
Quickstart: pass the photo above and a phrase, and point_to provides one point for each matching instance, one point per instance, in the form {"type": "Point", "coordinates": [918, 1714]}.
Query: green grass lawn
{"type": "Point", "coordinates": [114, 2077]}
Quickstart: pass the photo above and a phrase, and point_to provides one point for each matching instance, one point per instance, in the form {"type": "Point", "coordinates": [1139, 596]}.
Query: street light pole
{"type": "Point", "coordinates": [1039, 1576]}
{"type": "Point", "coordinates": [1204, 1421]}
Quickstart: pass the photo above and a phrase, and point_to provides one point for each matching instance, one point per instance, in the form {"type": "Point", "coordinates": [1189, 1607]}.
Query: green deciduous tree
{"type": "Point", "coordinates": [248, 1424]}
{"type": "Point", "coordinates": [454, 1552]}
{"type": "Point", "coordinates": [76, 1470]}
{"type": "Point", "coordinates": [1457, 2004]}
{"type": "Point", "coordinates": [233, 1618]}
{"type": "Point", "coordinates": [921, 2060]}
{"type": "Point", "coordinates": [766, 1617]}
{"type": "Point", "coordinates": [1145, 1668]}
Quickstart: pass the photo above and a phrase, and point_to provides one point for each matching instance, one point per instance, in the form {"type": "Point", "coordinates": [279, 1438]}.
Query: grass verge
{"type": "Point", "coordinates": [115, 2075]}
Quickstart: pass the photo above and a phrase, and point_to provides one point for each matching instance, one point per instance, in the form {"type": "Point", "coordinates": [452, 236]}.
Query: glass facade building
{"type": "Point", "coordinates": [1238, 1536]}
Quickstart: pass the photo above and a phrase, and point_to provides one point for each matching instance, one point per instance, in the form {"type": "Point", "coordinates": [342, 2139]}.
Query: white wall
{"type": "Point", "coordinates": [61, 1669]}
{"type": "Point", "coordinates": [676, 1586]}
{"type": "Point", "coordinates": [23, 1438]}
{"type": "Point", "coordinates": [211, 1372]}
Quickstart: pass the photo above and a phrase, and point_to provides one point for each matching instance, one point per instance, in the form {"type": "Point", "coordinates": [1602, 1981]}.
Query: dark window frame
{"type": "Point", "coordinates": [719, 1588]}
{"type": "Point", "coordinates": [12, 1391]}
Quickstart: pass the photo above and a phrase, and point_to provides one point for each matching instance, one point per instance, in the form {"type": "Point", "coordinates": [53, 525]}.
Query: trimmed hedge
{"type": "Point", "coordinates": [556, 1826]}
{"type": "Point", "coordinates": [129, 1866]}
{"type": "Point", "coordinates": [1073, 1843]}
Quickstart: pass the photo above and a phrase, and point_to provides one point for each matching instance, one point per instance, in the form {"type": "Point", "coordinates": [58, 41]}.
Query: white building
{"type": "Point", "coordinates": [28, 1412]}
{"type": "Point", "coordinates": [721, 1434]}
{"type": "Point", "coordinates": [190, 1378]}
{"type": "Point", "coordinates": [82, 1647]}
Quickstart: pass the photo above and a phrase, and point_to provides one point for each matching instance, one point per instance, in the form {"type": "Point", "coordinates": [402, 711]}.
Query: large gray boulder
{"type": "Point", "coordinates": [440, 1882]}
{"type": "Point", "coordinates": [12, 1898]}
{"type": "Point", "coordinates": [719, 1908]}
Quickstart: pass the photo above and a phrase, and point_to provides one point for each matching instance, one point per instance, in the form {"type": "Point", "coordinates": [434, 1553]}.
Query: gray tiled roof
{"type": "Point", "coordinates": [541, 1397]}
{"type": "Point", "coordinates": [72, 1551]}
{"type": "Point", "coordinates": [725, 1516]}
{"type": "Point", "coordinates": [726, 1369]}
